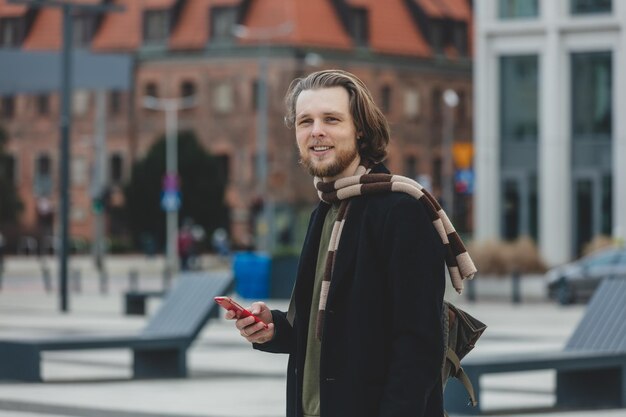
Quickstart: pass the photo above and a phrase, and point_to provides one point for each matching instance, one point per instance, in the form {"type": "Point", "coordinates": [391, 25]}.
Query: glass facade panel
{"type": "Point", "coordinates": [519, 84]}
{"type": "Point", "coordinates": [512, 9]}
{"type": "Point", "coordinates": [590, 6]}
{"type": "Point", "coordinates": [592, 111]}
{"type": "Point", "coordinates": [519, 130]}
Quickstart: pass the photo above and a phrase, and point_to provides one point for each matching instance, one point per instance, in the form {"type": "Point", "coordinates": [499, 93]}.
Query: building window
{"type": "Point", "coordinates": [43, 104]}
{"type": "Point", "coordinates": [436, 103]}
{"type": "Point", "coordinates": [437, 33]}
{"type": "Point", "coordinates": [513, 9]}
{"type": "Point", "coordinates": [11, 32]}
{"type": "Point", "coordinates": [80, 102]}
{"type": "Point", "coordinates": [385, 94]}
{"type": "Point", "coordinates": [8, 107]}
{"type": "Point", "coordinates": [359, 26]}
{"type": "Point", "coordinates": [592, 112]}
{"type": "Point", "coordinates": [223, 98]}
{"type": "Point", "coordinates": [43, 175]}
{"type": "Point", "coordinates": [519, 83]}
{"type": "Point", "coordinates": [255, 95]}
{"type": "Point", "coordinates": [82, 30]}
{"type": "Point", "coordinates": [410, 167]}
{"type": "Point", "coordinates": [115, 102]}
{"type": "Point", "coordinates": [8, 168]}
{"type": "Point", "coordinates": [79, 170]}
{"type": "Point", "coordinates": [459, 38]}
{"type": "Point", "coordinates": [590, 6]}
{"type": "Point", "coordinates": [223, 167]}
{"type": "Point", "coordinates": [461, 108]}
{"type": "Point", "coordinates": [222, 22]}
{"type": "Point", "coordinates": [116, 169]}
{"type": "Point", "coordinates": [187, 89]}
{"type": "Point", "coordinates": [151, 90]}
{"type": "Point", "coordinates": [411, 103]}
{"type": "Point", "coordinates": [156, 26]}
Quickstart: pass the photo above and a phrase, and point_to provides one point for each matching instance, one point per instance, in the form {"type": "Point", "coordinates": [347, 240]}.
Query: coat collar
{"type": "Point", "coordinates": [344, 261]}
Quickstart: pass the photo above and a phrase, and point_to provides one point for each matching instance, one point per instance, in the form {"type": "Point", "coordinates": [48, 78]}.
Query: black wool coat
{"type": "Point", "coordinates": [382, 347]}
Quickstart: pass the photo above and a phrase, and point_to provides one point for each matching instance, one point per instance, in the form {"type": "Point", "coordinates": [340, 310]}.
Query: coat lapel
{"type": "Point", "coordinates": [308, 261]}
{"type": "Point", "coordinates": [346, 252]}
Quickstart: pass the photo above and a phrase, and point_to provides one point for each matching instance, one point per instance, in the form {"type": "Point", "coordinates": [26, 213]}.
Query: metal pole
{"type": "Point", "coordinates": [65, 125]}
{"type": "Point", "coordinates": [450, 101]}
{"type": "Point", "coordinates": [171, 167]}
{"type": "Point", "coordinates": [100, 179]}
{"type": "Point", "coordinates": [263, 242]}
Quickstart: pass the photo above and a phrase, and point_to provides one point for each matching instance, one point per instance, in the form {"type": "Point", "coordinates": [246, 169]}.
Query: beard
{"type": "Point", "coordinates": [342, 161]}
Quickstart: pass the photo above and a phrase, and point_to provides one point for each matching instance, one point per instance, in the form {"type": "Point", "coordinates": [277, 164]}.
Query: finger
{"type": "Point", "coordinates": [257, 307]}
{"type": "Point", "coordinates": [245, 322]}
{"type": "Point", "coordinates": [263, 335]}
{"type": "Point", "coordinates": [230, 315]}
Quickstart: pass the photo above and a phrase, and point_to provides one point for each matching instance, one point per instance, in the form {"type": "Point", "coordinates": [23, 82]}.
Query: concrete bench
{"type": "Point", "coordinates": [591, 369]}
{"type": "Point", "coordinates": [135, 301]}
{"type": "Point", "coordinates": [159, 349]}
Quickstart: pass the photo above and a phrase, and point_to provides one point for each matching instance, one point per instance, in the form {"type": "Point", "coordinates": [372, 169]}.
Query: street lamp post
{"type": "Point", "coordinates": [67, 10]}
{"type": "Point", "coordinates": [265, 36]}
{"type": "Point", "coordinates": [171, 195]}
{"type": "Point", "coordinates": [450, 101]}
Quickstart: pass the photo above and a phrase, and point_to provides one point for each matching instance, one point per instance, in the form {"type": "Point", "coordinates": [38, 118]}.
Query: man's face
{"type": "Point", "coordinates": [325, 133]}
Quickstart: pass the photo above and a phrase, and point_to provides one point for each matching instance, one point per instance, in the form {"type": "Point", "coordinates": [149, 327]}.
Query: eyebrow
{"type": "Point", "coordinates": [326, 113]}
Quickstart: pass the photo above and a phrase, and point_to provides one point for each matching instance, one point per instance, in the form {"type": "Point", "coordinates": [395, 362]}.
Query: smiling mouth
{"type": "Point", "coordinates": [320, 148]}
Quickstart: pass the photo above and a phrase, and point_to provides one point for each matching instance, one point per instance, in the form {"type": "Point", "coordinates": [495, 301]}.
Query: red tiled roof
{"type": "Point", "coordinates": [451, 9]}
{"type": "Point", "coordinates": [120, 31]}
{"type": "Point", "coordinates": [11, 10]}
{"type": "Point", "coordinates": [317, 24]}
{"type": "Point", "coordinates": [157, 4]}
{"type": "Point", "coordinates": [392, 29]}
{"type": "Point", "coordinates": [45, 34]}
{"type": "Point", "coordinates": [194, 25]}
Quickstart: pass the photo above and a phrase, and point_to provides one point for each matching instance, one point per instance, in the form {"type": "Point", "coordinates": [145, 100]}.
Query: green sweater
{"type": "Point", "coordinates": [311, 376]}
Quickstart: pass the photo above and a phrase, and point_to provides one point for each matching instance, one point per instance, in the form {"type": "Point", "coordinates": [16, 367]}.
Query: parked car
{"type": "Point", "coordinates": [576, 281]}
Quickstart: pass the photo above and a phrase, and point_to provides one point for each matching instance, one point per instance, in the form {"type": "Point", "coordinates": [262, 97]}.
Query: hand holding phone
{"type": "Point", "coordinates": [230, 305]}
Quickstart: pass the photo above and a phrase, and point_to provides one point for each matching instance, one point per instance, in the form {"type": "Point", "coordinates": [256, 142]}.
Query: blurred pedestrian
{"type": "Point", "coordinates": [364, 330]}
{"type": "Point", "coordinates": [185, 246]}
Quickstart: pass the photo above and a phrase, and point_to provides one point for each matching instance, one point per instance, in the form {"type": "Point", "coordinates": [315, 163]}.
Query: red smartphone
{"type": "Point", "coordinates": [229, 304]}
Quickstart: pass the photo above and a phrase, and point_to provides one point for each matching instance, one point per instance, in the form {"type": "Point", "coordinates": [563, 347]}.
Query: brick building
{"type": "Point", "coordinates": [407, 51]}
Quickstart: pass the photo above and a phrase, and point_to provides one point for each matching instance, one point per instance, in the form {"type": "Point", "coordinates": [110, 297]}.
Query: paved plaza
{"type": "Point", "coordinates": [227, 378]}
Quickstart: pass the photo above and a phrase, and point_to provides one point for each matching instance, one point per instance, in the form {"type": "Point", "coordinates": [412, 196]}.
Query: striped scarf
{"type": "Point", "coordinates": [458, 261]}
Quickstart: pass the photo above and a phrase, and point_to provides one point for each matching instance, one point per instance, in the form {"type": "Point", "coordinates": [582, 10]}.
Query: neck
{"type": "Point", "coordinates": [348, 172]}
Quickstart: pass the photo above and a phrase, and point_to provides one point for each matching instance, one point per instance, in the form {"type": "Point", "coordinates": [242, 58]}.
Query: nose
{"type": "Point", "coordinates": [317, 129]}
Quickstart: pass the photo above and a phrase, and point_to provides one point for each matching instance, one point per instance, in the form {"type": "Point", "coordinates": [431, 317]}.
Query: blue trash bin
{"type": "Point", "coordinates": [252, 272]}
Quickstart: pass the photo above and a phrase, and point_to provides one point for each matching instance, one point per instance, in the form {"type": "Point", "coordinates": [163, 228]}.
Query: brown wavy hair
{"type": "Point", "coordinates": [369, 121]}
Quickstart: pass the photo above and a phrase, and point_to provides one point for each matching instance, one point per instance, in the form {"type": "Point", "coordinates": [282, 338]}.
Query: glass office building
{"type": "Point", "coordinates": [550, 84]}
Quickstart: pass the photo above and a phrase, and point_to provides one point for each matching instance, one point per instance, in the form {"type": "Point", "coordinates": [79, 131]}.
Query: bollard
{"type": "Point", "coordinates": [167, 278]}
{"type": "Point", "coordinates": [47, 280]}
{"type": "Point", "coordinates": [471, 290]}
{"type": "Point", "coordinates": [104, 281]}
{"type": "Point", "coordinates": [76, 281]}
{"type": "Point", "coordinates": [133, 280]}
{"type": "Point", "coordinates": [516, 291]}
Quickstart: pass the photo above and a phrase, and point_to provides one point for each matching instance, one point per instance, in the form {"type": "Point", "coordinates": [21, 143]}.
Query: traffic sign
{"type": "Point", "coordinates": [170, 200]}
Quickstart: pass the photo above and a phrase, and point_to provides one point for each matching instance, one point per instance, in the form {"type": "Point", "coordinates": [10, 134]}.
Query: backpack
{"type": "Point", "coordinates": [460, 333]}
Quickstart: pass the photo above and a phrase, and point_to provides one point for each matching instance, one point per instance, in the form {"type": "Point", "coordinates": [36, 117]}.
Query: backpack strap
{"type": "Point", "coordinates": [460, 374]}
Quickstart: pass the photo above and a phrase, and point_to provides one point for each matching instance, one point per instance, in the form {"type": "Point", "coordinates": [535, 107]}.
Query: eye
{"type": "Point", "coordinates": [331, 119]}
{"type": "Point", "coordinates": [304, 122]}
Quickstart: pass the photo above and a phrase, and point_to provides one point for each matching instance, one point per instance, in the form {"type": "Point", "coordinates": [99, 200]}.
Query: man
{"type": "Point", "coordinates": [363, 330]}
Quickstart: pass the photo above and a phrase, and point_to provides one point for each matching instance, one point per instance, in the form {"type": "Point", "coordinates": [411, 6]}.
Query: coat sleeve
{"type": "Point", "coordinates": [283, 340]}
{"type": "Point", "coordinates": [416, 281]}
